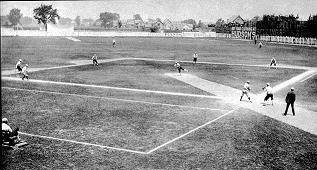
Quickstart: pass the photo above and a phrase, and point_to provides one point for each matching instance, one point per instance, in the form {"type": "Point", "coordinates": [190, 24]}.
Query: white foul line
{"type": "Point", "coordinates": [189, 132]}
{"type": "Point", "coordinates": [109, 98]}
{"type": "Point", "coordinates": [83, 143]}
{"type": "Point", "coordinates": [115, 88]}
{"type": "Point", "coordinates": [308, 77]}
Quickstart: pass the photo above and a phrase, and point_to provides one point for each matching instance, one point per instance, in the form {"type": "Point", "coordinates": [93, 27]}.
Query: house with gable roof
{"type": "Point", "coordinates": [235, 20]}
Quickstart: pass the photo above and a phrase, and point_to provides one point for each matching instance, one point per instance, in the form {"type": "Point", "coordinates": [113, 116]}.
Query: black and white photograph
{"type": "Point", "coordinates": [159, 84]}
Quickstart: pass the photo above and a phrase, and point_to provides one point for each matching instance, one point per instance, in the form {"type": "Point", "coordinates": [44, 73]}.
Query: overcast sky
{"type": "Point", "coordinates": [175, 10]}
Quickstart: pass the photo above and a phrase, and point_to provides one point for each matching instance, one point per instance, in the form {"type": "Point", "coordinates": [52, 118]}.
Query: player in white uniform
{"type": "Point", "coordinates": [113, 43]}
{"type": "Point", "coordinates": [94, 60]}
{"type": "Point", "coordinates": [179, 67]}
{"type": "Point", "coordinates": [269, 92]}
{"type": "Point", "coordinates": [25, 72]}
{"type": "Point", "coordinates": [260, 45]}
{"type": "Point", "coordinates": [245, 91]}
{"type": "Point", "coordinates": [273, 62]}
{"type": "Point", "coordinates": [18, 66]}
{"type": "Point", "coordinates": [195, 57]}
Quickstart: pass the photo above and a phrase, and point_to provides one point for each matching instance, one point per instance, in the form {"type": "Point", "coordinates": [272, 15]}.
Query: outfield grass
{"type": "Point", "coordinates": [55, 51]}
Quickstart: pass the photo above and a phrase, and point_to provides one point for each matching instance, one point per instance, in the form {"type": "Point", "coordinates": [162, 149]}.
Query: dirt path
{"type": "Point", "coordinates": [304, 119]}
{"type": "Point", "coordinates": [74, 63]}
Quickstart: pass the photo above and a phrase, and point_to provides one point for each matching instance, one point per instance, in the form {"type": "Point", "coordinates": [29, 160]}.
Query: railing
{"type": "Point", "coordinates": [276, 39]}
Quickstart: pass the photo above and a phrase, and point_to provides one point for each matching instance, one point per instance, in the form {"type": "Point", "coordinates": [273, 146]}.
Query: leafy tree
{"type": "Point", "coordinates": [45, 14]}
{"type": "Point", "coordinates": [137, 17]}
{"type": "Point", "coordinates": [14, 16]}
{"type": "Point", "coordinates": [190, 21]}
{"type": "Point", "coordinates": [154, 28]}
{"type": "Point", "coordinates": [107, 19]}
{"type": "Point", "coordinates": [77, 20]}
{"type": "Point", "coordinates": [201, 24]}
{"type": "Point", "coordinates": [65, 20]}
{"type": "Point", "coordinates": [220, 22]}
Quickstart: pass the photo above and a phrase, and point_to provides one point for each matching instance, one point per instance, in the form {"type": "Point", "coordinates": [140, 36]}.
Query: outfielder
{"type": "Point", "coordinates": [113, 43]}
{"type": "Point", "coordinates": [245, 91]}
{"type": "Point", "coordinates": [195, 57]}
{"type": "Point", "coordinates": [273, 62]}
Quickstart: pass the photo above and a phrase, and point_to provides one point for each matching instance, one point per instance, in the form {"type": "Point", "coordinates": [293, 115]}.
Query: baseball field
{"type": "Point", "coordinates": [134, 111]}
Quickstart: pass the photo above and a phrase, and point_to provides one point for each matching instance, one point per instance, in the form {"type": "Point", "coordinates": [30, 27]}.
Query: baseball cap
{"type": "Point", "coordinates": [26, 65]}
{"type": "Point", "coordinates": [267, 84]}
{"type": "Point", "coordinates": [292, 88]}
{"type": "Point", "coordinates": [20, 59]}
{"type": "Point", "coordinates": [248, 81]}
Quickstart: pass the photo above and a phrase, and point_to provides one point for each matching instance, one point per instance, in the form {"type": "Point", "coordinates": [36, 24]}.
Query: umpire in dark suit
{"type": "Point", "coordinates": [290, 99]}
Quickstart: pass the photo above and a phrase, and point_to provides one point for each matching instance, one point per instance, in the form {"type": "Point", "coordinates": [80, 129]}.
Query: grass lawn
{"type": "Point", "coordinates": [141, 121]}
{"type": "Point", "coordinates": [149, 75]}
{"type": "Point", "coordinates": [55, 51]}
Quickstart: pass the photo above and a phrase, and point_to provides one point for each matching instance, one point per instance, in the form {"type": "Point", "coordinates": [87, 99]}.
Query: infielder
{"type": "Point", "coordinates": [18, 66]}
{"type": "Point", "coordinates": [25, 72]}
{"type": "Point", "coordinates": [94, 60]}
{"type": "Point", "coordinates": [179, 67]}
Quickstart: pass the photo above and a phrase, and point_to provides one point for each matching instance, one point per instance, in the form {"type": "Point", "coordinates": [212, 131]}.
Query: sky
{"type": "Point", "coordinates": [175, 10]}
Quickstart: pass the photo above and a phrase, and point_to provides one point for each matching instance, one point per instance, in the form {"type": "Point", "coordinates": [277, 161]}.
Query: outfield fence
{"type": "Point", "coordinates": [277, 39]}
{"type": "Point", "coordinates": [11, 32]}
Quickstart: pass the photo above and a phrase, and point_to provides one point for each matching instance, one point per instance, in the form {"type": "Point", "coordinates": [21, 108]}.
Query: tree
{"type": "Point", "coordinates": [190, 21]}
{"type": "Point", "coordinates": [14, 16]}
{"type": "Point", "coordinates": [201, 24]}
{"type": "Point", "coordinates": [65, 21]}
{"type": "Point", "coordinates": [45, 14]}
{"type": "Point", "coordinates": [107, 19]}
{"type": "Point", "coordinates": [137, 17]}
{"type": "Point", "coordinates": [77, 20]}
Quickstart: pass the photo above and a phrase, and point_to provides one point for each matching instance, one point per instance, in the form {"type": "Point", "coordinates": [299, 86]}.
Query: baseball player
{"type": "Point", "coordinates": [18, 66]}
{"type": "Point", "coordinates": [113, 43]}
{"type": "Point", "coordinates": [245, 91]}
{"type": "Point", "coordinates": [94, 60]}
{"type": "Point", "coordinates": [273, 62]}
{"type": "Point", "coordinates": [260, 44]}
{"type": "Point", "coordinates": [269, 92]}
{"type": "Point", "coordinates": [179, 67]}
{"type": "Point", "coordinates": [25, 72]}
{"type": "Point", "coordinates": [195, 57]}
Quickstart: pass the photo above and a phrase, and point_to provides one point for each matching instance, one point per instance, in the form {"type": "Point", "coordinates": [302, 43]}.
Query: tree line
{"type": "Point", "coordinates": [287, 26]}
{"type": "Point", "coordinates": [269, 24]}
